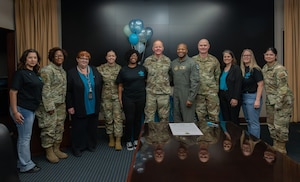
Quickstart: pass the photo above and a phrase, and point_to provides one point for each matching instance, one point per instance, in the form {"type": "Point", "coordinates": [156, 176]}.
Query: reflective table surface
{"type": "Point", "coordinates": [222, 153]}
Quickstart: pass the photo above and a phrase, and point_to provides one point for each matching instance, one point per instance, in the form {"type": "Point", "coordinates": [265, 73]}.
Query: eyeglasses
{"type": "Point", "coordinates": [84, 59]}
{"type": "Point", "coordinates": [246, 55]}
{"type": "Point", "coordinates": [59, 56]}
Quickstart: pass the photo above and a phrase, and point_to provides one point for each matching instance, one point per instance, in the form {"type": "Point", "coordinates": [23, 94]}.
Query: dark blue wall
{"type": "Point", "coordinates": [97, 26]}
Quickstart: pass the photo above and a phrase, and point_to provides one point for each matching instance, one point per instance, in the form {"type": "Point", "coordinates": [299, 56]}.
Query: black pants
{"type": "Point", "coordinates": [84, 133]}
{"type": "Point", "coordinates": [229, 113]}
{"type": "Point", "coordinates": [133, 110]}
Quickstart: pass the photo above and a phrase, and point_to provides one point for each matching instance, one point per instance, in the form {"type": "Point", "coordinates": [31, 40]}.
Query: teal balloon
{"type": "Point", "coordinates": [140, 47]}
{"type": "Point", "coordinates": [127, 30]}
{"type": "Point", "coordinates": [136, 25]}
{"type": "Point", "coordinates": [142, 36]}
{"type": "Point", "coordinates": [133, 39]}
{"type": "Point", "coordinates": [149, 32]}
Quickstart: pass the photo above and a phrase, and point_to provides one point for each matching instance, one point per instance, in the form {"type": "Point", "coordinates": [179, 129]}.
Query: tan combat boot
{"type": "Point", "coordinates": [58, 152]}
{"type": "Point", "coordinates": [111, 142]}
{"type": "Point", "coordinates": [275, 144]}
{"type": "Point", "coordinates": [51, 157]}
{"type": "Point", "coordinates": [281, 147]}
{"type": "Point", "coordinates": [118, 144]}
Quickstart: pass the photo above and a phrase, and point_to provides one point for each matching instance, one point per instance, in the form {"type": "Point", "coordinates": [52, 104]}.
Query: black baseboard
{"type": "Point", "coordinates": [261, 120]}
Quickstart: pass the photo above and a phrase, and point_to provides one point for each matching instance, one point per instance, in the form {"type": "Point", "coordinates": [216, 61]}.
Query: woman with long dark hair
{"type": "Point", "coordinates": [25, 96]}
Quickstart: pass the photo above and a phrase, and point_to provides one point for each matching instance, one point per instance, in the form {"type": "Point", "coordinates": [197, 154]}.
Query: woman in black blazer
{"type": "Point", "coordinates": [84, 84]}
{"type": "Point", "coordinates": [230, 93]}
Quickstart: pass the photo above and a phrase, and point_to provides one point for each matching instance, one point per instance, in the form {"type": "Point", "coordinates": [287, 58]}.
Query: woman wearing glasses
{"type": "Point", "coordinates": [252, 91]}
{"type": "Point", "coordinates": [51, 114]}
{"type": "Point", "coordinates": [84, 84]}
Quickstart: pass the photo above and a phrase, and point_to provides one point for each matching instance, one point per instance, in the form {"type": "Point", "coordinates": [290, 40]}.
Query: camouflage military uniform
{"type": "Point", "coordinates": [279, 101]}
{"type": "Point", "coordinates": [210, 138]}
{"type": "Point", "coordinates": [156, 136]}
{"type": "Point", "coordinates": [207, 101]}
{"type": "Point", "coordinates": [53, 95]}
{"type": "Point", "coordinates": [158, 133]}
{"type": "Point", "coordinates": [110, 99]}
{"type": "Point", "coordinates": [158, 88]}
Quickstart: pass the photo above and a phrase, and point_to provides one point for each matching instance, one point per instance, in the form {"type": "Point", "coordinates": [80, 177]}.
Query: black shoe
{"type": "Point", "coordinates": [77, 153]}
{"type": "Point", "coordinates": [33, 170]}
{"type": "Point", "coordinates": [92, 149]}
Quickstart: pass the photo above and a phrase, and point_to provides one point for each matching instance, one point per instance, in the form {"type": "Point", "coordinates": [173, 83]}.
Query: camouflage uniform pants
{"type": "Point", "coordinates": [208, 107]}
{"type": "Point", "coordinates": [52, 126]}
{"type": "Point", "coordinates": [159, 103]}
{"type": "Point", "coordinates": [113, 117]}
{"type": "Point", "coordinates": [278, 122]}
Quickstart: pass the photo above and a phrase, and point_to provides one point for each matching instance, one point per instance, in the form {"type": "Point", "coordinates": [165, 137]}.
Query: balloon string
{"type": "Point", "coordinates": [144, 52]}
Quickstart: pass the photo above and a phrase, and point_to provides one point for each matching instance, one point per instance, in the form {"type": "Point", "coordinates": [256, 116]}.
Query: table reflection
{"type": "Point", "coordinates": [223, 153]}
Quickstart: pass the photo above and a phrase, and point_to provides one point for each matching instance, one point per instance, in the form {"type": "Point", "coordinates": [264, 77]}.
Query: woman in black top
{"type": "Point", "coordinates": [25, 97]}
{"type": "Point", "coordinates": [252, 91]}
{"type": "Point", "coordinates": [131, 82]}
{"type": "Point", "coordinates": [230, 88]}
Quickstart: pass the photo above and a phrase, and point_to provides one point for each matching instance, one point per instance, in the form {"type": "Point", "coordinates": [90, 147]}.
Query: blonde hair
{"type": "Point", "coordinates": [253, 63]}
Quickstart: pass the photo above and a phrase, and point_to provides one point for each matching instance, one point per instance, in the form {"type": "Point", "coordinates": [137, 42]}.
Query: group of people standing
{"type": "Point", "coordinates": [242, 86]}
{"type": "Point", "coordinates": [205, 89]}
{"type": "Point", "coordinates": [48, 94]}
{"type": "Point", "coordinates": [202, 88]}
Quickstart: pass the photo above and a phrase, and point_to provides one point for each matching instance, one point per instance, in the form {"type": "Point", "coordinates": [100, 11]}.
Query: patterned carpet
{"type": "Point", "coordinates": [103, 165]}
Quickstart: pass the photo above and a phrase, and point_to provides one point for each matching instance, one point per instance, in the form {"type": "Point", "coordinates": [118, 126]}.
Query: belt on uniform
{"type": "Point", "coordinates": [58, 104]}
{"type": "Point", "coordinates": [249, 92]}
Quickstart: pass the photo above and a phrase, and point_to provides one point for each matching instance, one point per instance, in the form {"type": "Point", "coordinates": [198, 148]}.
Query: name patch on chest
{"type": "Point", "coordinates": [179, 68]}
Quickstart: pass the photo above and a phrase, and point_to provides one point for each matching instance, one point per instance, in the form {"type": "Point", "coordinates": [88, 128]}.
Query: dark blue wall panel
{"type": "Point", "coordinates": [97, 26]}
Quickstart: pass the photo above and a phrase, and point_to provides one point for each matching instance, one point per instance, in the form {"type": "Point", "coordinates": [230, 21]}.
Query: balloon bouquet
{"type": "Point", "coordinates": [138, 35]}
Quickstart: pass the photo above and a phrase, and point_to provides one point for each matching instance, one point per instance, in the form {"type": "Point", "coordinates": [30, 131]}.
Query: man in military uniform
{"type": "Point", "coordinates": [110, 100]}
{"type": "Point", "coordinates": [211, 136]}
{"type": "Point", "coordinates": [185, 76]}
{"type": "Point", "coordinates": [51, 114]}
{"type": "Point", "coordinates": [157, 136]}
{"type": "Point", "coordinates": [207, 101]}
{"type": "Point", "coordinates": [158, 87]}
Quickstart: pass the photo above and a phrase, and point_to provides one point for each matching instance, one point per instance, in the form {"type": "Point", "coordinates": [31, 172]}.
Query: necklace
{"type": "Point", "coordinates": [82, 70]}
{"type": "Point", "coordinates": [85, 72]}
{"type": "Point", "coordinates": [227, 68]}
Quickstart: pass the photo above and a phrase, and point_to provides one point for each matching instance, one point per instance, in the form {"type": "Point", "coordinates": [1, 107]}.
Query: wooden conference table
{"type": "Point", "coordinates": [227, 154]}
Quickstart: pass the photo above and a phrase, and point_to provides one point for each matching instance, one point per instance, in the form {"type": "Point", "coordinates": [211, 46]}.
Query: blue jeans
{"type": "Point", "coordinates": [252, 114]}
{"type": "Point", "coordinates": [24, 135]}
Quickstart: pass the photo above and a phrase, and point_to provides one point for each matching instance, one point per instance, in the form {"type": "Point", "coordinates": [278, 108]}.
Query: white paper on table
{"type": "Point", "coordinates": [185, 129]}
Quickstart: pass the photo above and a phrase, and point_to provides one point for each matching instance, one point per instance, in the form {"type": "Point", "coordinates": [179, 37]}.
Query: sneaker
{"type": "Point", "coordinates": [129, 146]}
{"type": "Point", "coordinates": [135, 143]}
